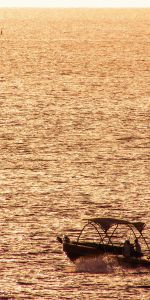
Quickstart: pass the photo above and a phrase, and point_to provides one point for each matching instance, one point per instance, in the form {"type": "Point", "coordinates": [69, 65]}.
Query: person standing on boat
{"type": "Point", "coordinates": [137, 248]}
{"type": "Point", "coordinates": [126, 249]}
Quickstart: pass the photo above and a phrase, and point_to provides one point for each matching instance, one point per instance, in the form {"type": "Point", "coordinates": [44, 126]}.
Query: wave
{"type": "Point", "coordinates": [98, 264]}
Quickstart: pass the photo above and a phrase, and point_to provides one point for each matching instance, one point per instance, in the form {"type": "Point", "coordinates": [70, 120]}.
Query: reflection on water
{"type": "Point", "coordinates": [74, 143]}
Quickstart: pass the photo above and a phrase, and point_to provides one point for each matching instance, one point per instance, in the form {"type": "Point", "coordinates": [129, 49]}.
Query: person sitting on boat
{"type": "Point", "coordinates": [66, 239]}
{"type": "Point", "coordinates": [127, 249]}
{"type": "Point", "coordinates": [137, 248]}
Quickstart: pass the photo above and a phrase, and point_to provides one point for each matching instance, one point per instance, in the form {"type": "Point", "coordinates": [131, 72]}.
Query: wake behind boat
{"type": "Point", "coordinates": [115, 237]}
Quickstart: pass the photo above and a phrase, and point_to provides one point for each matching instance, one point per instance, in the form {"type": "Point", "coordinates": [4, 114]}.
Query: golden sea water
{"type": "Point", "coordinates": [74, 144]}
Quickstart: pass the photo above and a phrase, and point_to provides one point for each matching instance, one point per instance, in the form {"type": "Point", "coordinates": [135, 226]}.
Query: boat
{"type": "Point", "coordinates": [111, 234]}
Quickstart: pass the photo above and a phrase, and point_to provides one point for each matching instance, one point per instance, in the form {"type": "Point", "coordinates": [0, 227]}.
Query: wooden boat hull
{"type": "Point", "coordinates": [75, 251]}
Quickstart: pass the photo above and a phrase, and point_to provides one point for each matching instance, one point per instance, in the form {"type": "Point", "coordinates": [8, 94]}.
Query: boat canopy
{"type": "Point", "coordinates": [106, 223]}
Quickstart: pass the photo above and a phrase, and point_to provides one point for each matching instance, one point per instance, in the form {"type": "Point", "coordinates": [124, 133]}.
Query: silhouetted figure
{"type": "Point", "coordinates": [66, 239]}
{"type": "Point", "coordinates": [137, 248]}
{"type": "Point", "coordinates": [126, 249]}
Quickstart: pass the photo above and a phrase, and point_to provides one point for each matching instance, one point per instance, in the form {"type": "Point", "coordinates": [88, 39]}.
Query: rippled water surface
{"type": "Point", "coordinates": [74, 144]}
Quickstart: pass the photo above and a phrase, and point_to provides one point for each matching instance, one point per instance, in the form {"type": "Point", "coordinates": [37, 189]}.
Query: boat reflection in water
{"type": "Point", "coordinates": [114, 238]}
